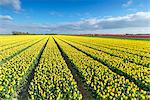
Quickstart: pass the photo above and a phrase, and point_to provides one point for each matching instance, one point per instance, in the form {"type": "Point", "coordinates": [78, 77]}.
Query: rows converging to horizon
{"type": "Point", "coordinates": [73, 67]}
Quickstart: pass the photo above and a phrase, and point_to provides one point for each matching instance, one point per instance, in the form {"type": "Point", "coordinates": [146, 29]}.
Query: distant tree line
{"type": "Point", "coordinates": [27, 33]}
{"type": "Point", "coordinates": [50, 34]}
{"type": "Point", "coordinates": [136, 34]}
{"type": "Point", "coordinates": [19, 33]}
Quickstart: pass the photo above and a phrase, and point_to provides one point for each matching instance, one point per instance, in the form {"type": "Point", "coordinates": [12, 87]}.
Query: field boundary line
{"type": "Point", "coordinates": [120, 38]}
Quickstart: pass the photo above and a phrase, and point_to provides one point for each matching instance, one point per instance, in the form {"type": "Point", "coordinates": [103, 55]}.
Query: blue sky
{"type": "Point", "coordinates": [75, 16]}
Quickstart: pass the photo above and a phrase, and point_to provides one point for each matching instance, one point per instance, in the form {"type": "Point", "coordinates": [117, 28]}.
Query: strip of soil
{"type": "Point", "coordinates": [114, 69]}
{"type": "Point", "coordinates": [17, 53]}
{"type": "Point", "coordinates": [111, 54]}
{"type": "Point", "coordinates": [23, 93]}
{"type": "Point", "coordinates": [85, 93]}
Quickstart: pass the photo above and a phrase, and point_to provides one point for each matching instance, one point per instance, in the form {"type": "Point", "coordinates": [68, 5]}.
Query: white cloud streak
{"type": "Point", "coordinates": [128, 23]}
{"type": "Point", "coordinates": [5, 18]}
{"type": "Point", "coordinates": [128, 3]}
{"type": "Point", "coordinates": [16, 4]}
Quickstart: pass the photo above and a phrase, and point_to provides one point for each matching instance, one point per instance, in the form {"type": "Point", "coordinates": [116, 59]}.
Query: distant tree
{"type": "Point", "coordinates": [19, 33]}
{"type": "Point", "coordinates": [51, 34]}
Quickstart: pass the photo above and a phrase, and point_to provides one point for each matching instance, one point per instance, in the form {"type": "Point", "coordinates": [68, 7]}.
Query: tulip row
{"type": "Point", "coordinates": [10, 47]}
{"type": "Point", "coordinates": [141, 48]}
{"type": "Point", "coordinates": [14, 72]}
{"type": "Point", "coordinates": [104, 83]}
{"type": "Point", "coordinates": [5, 41]}
{"type": "Point", "coordinates": [6, 54]}
{"type": "Point", "coordinates": [52, 78]}
{"type": "Point", "coordinates": [139, 73]}
{"type": "Point", "coordinates": [8, 41]}
{"type": "Point", "coordinates": [144, 61]}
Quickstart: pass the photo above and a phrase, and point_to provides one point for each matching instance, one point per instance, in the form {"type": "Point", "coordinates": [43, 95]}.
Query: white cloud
{"type": "Point", "coordinates": [5, 18]}
{"type": "Point", "coordinates": [129, 23]}
{"type": "Point", "coordinates": [90, 21]}
{"type": "Point", "coordinates": [139, 19]}
{"type": "Point", "coordinates": [128, 3]}
{"type": "Point", "coordinates": [16, 4]}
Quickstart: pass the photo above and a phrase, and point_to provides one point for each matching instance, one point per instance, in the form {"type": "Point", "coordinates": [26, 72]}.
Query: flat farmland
{"type": "Point", "coordinates": [61, 67]}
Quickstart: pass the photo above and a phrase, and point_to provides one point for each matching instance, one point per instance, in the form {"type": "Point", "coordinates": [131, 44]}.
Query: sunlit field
{"type": "Point", "coordinates": [61, 67]}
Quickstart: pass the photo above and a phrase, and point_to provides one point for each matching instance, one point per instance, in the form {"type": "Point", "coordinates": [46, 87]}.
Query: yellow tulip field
{"type": "Point", "coordinates": [63, 67]}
